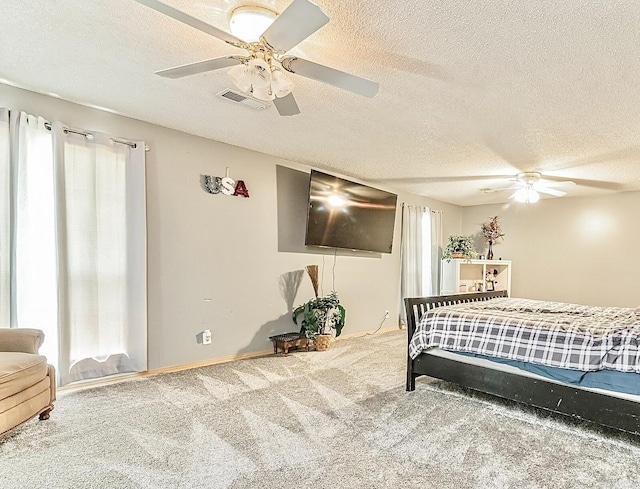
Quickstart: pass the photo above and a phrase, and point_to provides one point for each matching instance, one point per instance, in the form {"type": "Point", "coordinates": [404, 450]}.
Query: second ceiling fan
{"type": "Point", "coordinates": [263, 71]}
{"type": "Point", "coordinates": [529, 185]}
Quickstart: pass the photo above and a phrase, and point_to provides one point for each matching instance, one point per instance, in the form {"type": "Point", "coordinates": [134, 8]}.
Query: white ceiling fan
{"type": "Point", "coordinates": [529, 185]}
{"type": "Point", "coordinates": [263, 71]}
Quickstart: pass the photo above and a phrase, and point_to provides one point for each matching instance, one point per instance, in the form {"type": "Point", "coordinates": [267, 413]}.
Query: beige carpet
{"type": "Point", "coordinates": [335, 419]}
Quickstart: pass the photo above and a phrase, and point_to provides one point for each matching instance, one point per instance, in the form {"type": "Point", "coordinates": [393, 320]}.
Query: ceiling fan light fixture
{"type": "Point", "coordinates": [261, 79]}
{"type": "Point", "coordinates": [260, 72]}
{"type": "Point", "coordinates": [248, 22]}
{"type": "Point", "coordinates": [263, 93]}
{"type": "Point", "coordinates": [527, 195]}
{"type": "Point", "coordinates": [240, 77]}
{"type": "Point", "coordinates": [280, 84]}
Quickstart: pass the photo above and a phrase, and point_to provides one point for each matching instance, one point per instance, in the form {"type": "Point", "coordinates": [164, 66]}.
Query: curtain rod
{"type": "Point", "coordinates": [423, 207]}
{"type": "Point", "coordinates": [417, 206]}
{"type": "Point", "coordinates": [90, 136]}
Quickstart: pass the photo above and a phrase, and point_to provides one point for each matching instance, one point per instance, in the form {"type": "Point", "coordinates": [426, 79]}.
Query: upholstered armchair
{"type": "Point", "coordinates": [27, 382]}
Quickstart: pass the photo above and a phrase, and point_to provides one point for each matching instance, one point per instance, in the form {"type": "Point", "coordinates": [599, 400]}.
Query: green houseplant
{"type": "Point", "coordinates": [320, 315]}
{"type": "Point", "coordinates": [459, 247]}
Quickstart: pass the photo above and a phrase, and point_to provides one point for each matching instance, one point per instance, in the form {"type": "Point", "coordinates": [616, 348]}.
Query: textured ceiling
{"type": "Point", "coordinates": [468, 89]}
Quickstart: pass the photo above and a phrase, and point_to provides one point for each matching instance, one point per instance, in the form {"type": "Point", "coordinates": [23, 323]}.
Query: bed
{"type": "Point", "coordinates": [481, 372]}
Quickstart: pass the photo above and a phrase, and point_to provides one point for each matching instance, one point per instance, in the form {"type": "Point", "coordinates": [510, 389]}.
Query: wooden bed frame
{"type": "Point", "coordinates": [621, 414]}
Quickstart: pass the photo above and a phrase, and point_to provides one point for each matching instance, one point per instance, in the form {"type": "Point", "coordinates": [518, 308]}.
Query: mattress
{"type": "Point", "coordinates": [504, 367]}
{"type": "Point", "coordinates": [554, 334]}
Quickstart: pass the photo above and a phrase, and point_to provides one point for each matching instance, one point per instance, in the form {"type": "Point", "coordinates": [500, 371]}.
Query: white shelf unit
{"type": "Point", "coordinates": [461, 276]}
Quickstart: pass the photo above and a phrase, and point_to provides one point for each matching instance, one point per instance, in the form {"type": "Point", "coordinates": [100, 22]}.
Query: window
{"type": "Point", "coordinates": [73, 245]}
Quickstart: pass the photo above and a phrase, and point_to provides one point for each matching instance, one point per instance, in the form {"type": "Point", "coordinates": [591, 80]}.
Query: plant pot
{"type": "Point", "coordinates": [322, 342]}
{"type": "Point", "coordinates": [457, 254]}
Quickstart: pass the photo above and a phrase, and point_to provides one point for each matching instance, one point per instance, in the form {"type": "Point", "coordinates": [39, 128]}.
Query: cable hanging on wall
{"type": "Point", "coordinates": [333, 270]}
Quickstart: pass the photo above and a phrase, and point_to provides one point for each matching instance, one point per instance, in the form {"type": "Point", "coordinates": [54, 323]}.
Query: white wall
{"type": "Point", "coordinates": [582, 250]}
{"type": "Point", "coordinates": [228, 249]}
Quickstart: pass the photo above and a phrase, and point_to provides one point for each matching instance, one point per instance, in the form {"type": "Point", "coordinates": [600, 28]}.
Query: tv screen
{"type": "Point", "coordinates": [344, 214]}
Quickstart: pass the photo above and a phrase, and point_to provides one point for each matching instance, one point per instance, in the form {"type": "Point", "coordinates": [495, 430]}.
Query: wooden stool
{"type": "Point", "coordinates": [288, 341]}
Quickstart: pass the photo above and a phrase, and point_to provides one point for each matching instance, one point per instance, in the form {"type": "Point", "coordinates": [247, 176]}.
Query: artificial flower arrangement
{"type": "Point", "coordinates": [492, 234]}
{"type": "Point", "coordinates": [491, 231]}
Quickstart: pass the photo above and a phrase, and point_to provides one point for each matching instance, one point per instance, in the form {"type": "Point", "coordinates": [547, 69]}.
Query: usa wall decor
{"type": "Point", "coordinates": [224, 185]}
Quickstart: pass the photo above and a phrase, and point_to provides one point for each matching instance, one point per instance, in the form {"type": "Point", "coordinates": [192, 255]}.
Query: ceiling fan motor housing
{"type": "Point", "coordinates": [529, 177]}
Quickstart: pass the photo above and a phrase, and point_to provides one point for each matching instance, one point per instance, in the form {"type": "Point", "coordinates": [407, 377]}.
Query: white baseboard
{"type": "Point", "coordinates": [87, 384]}
{"type": "Point", "coordinates": [163, 370]}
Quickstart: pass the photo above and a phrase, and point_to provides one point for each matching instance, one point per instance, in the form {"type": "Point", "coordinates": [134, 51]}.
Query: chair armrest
{"type": "Point", "coordinates": [21, 340]}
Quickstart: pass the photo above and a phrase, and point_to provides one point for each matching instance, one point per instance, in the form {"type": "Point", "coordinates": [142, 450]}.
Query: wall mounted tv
{"type": "Point", "coordinates": [344, 214]}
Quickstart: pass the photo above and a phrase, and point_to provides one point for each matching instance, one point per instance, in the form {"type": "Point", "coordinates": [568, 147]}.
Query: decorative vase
{"type": "Point", "coordinates": [322, 342]}
{"type": "Point", "coordinates": [490, 252]}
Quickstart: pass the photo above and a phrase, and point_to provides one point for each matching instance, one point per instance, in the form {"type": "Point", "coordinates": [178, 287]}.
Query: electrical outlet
{"type": "Point", "coordinates": [386, 314]}
{"type": "Point", "coordinates": [206, 337]}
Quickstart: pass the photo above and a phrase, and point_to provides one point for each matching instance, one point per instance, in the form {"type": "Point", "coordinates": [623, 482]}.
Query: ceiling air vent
{"type": "Point", "coordinates": [241, 99]}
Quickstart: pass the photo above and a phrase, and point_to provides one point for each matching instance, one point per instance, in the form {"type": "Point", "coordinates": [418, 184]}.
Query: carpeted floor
{"type": "Point", "coordinates": [335, 419]}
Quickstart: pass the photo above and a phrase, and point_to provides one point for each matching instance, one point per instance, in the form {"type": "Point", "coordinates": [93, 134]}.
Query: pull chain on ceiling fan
{"type": "Point", "coordinates": [263, 71]}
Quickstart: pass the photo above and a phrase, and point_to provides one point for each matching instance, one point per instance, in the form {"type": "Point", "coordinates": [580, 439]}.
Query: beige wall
{"type": "Point", "coordinates": [582, 250]}
{"type": "Point", "coordinates": [229, 249]}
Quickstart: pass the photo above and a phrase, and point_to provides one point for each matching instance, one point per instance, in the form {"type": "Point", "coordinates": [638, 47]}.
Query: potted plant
{"type": "Point", "coordinates": [459, 247]}
{"type": "Point", "coordinates": [320, 315]}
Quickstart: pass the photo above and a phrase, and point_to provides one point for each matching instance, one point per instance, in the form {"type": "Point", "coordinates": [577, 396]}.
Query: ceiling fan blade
{"type": "Point", "coordinates": [200, 67]}
{"type": "Point", "coordinates": [562, 183]}
{"type": "Point", "coordinates": [193, 22]}
{"type": "Point", "coordinates": [550, 191]}
{"type": "Point", "coordinates": [431, 180]}
{"type": "Point", "coordinates": [589, 183]}
{"type": "Point", "coordinates": [286, 105]}
{"type": "Point", "coordinates": [298, 21]}
{"type": "Point", "coordinates": [331, 76]}
{"type": "Point", "coordinates": [502, 189]}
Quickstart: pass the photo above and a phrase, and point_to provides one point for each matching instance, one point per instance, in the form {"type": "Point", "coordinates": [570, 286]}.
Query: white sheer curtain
{"type": "Point", "coordinates": [415, 261]}
{"type": "Point", "coordinates": [73, 245]}
{"type": "Point", "coordinates": [29, 260]}
{"type": "Point", "coordinates": [102, 255]}
{"type": "Point", "coordinates": [5, 219]}
{"type": "Point", "coordinates": [436, 250]}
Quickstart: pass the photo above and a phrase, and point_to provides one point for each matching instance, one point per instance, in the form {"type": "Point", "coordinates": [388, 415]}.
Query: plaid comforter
{"type": "Point", "coordinates": [549, 333]}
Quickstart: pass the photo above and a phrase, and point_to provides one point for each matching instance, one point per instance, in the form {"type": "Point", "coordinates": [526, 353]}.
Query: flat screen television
{"type": "Point", "coordinates": [344, 214]}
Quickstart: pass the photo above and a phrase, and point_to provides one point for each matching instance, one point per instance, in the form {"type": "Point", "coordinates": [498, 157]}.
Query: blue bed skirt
{"type": "Point", "coordinates": [611, 380]}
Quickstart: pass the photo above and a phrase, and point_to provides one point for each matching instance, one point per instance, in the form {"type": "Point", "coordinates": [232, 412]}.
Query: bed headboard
{"type": "Point", "coordinates": [417, 306]}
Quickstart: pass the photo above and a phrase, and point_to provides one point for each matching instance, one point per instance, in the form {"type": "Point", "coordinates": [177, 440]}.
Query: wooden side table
{"type": "Point", "coordinates": [287, 341]}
